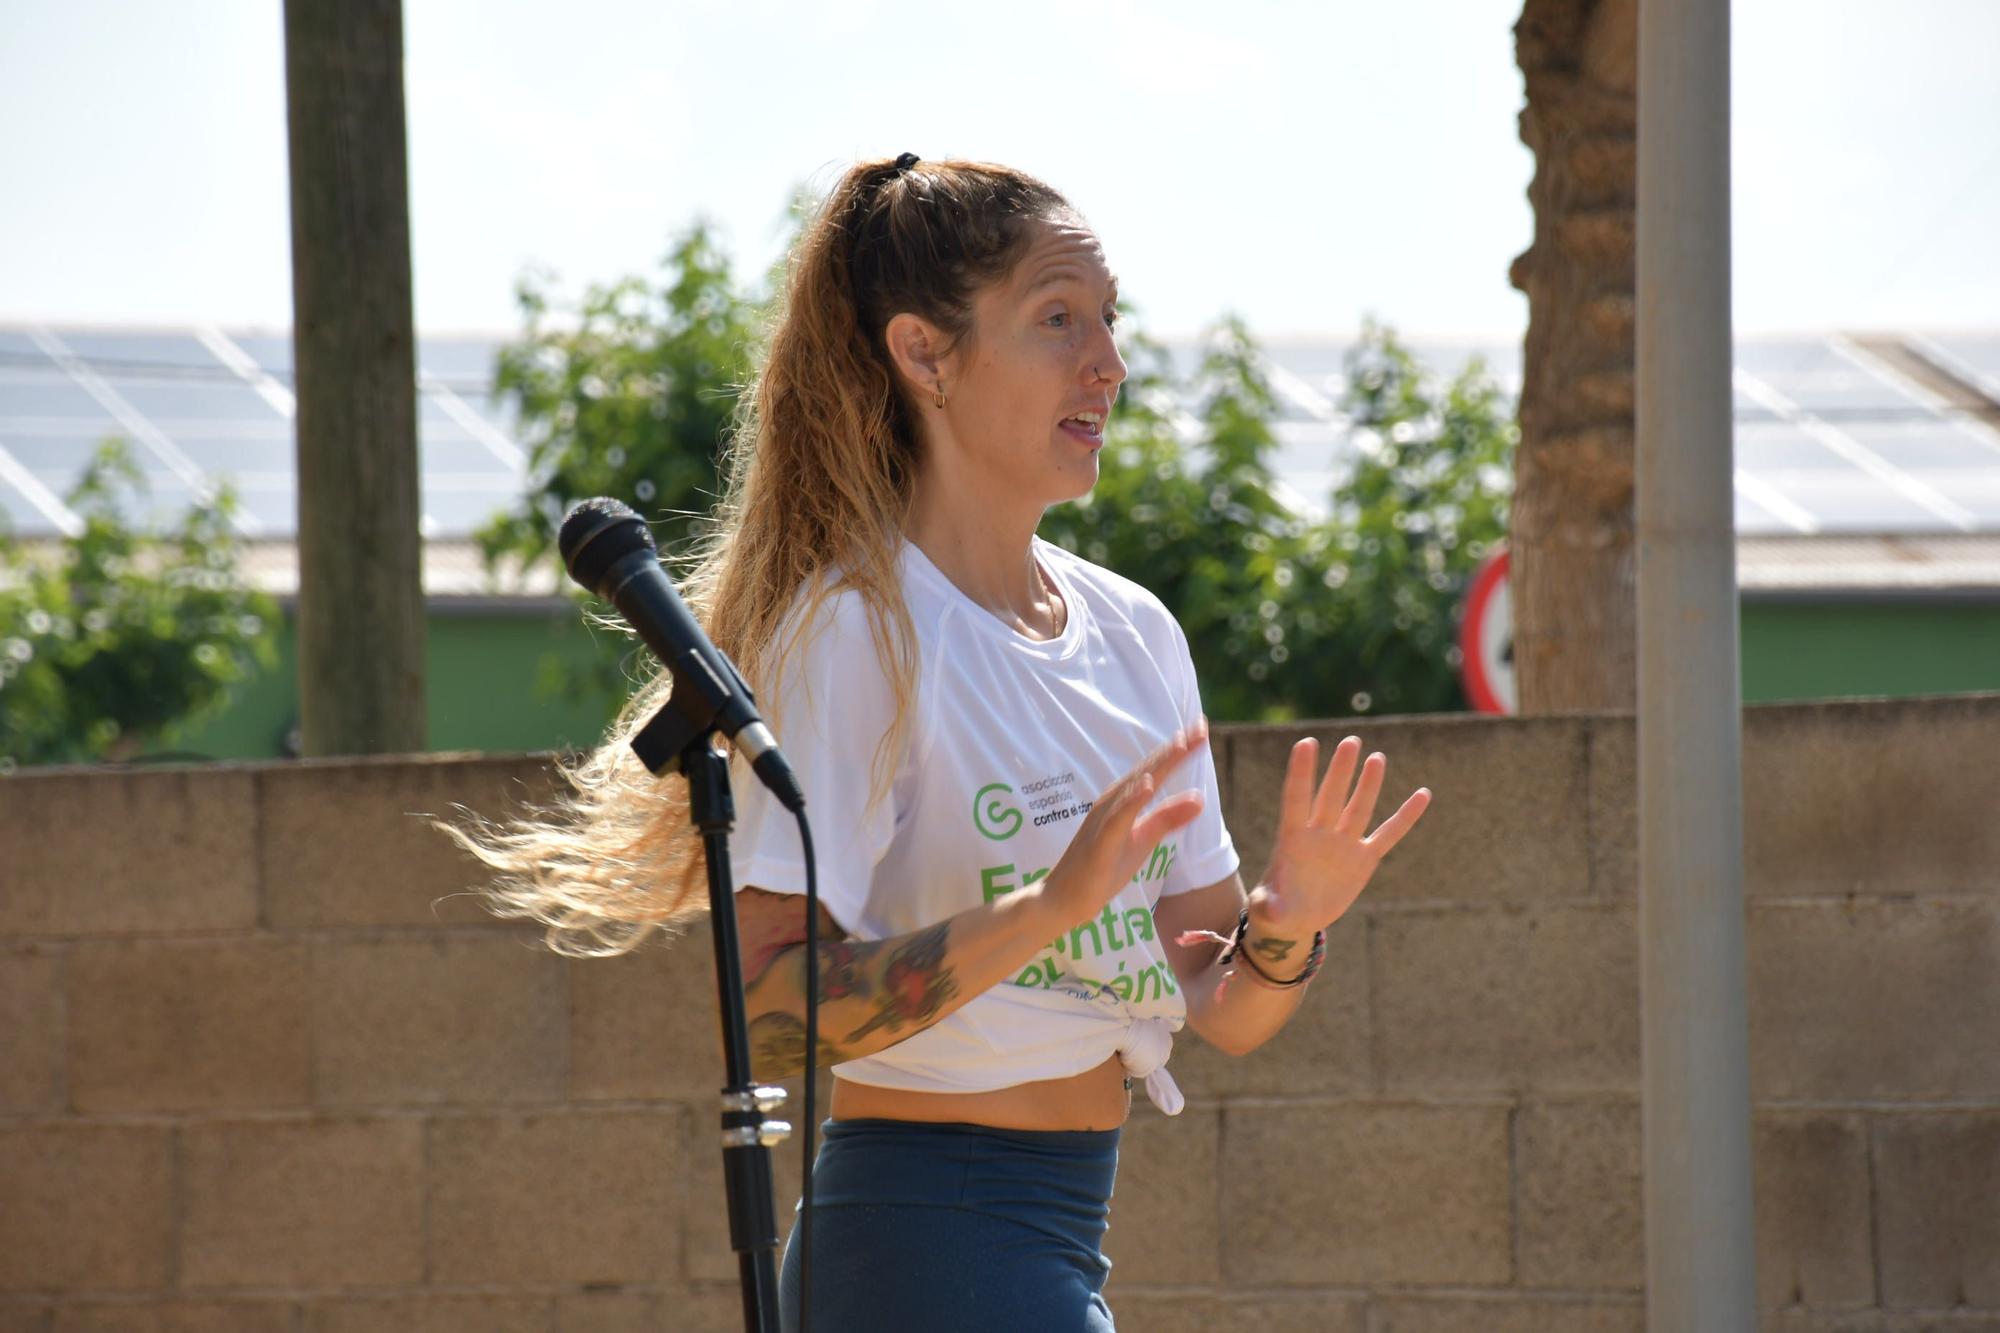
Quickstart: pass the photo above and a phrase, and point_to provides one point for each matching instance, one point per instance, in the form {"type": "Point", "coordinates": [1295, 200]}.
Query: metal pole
{"type": "Point", "coordinates": [1700, 1239]}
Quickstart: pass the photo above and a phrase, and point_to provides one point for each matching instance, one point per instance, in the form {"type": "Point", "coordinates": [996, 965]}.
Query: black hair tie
{"type": "Point", "coordinates": [905, 162]}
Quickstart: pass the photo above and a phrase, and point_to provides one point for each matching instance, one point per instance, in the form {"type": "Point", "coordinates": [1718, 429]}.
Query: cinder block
{"type": "Point", "coordinates": [1875, 1321]}
{"type": "Point", "coordinates": [704, 1308]}
{"type": "Point", "coordinates": [1489, 781]}
{"type": "Point", "coordinates": [333, 1202]}
{"type": "Point", "coordinates": [432, 1314]}
{"type": "Point", "coordinates": [1397, 1193]}
{"type": "Point", "coordinates": [31, 1028]}
{"type": "Point", "coordinates": [1507, 999]}
{"type": "Point", "coordinates": [175, 1316]}
{"type": "Point", "coordinates": [1875, 796]}
{"type": "Point", "coordinates": [1937, 1186]}
{"type": "Point", "coordinates": [585, 1196]}
{"type": "Point", "coordinates": [1878, 796]}
{"type": "Point", "coordinates": [1874, 1000]}
{"type": "Point", "coordinates": [84, 1207]}
{"type": "Point", "coordinates": [1446, 1314]}
{"type": "Point", "coordinates": [1812, 1209]}
{"type": "Point", "coordinates": [182, 1025]}
{"type": "Point", "coordinates": [1580, 1171]}
{"type": "Point", "coordinates": [348, 842]}
{"type": "Point", "coordinates": [1164, 1312]}
{"type": "Point", "coordinates": [616, 1312]}
{"type": "Point", "coordinates": [1612, 810]}
{"type": "Point", "coordinates": [465, 1017]}
{"type": "Point", "coordinates": [1164, 1209]}
{"type": "Point", "coordinates": [1582, 1219]}
{"type": "Point", "coordinates": [705, 1204]}
{"type": "Point", "coordinates": [645, 1025]}
{"type": "Point", "coordinates": [1322, 1051]}
{"type": "Point", "coordinates": [1277, 1312]}
{"type": "Point", "coordinates": [125, 853]}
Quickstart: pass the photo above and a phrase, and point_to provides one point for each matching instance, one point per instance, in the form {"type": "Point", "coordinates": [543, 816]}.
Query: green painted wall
{"type": "Point", "coordinates": [1832, 649]}
{"type": "Point", "coordinates": [486, 683]}
{"type": "Point", "coordinates": [488, 688]}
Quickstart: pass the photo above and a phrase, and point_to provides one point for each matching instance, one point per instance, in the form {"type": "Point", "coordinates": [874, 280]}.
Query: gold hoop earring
{"type": "Point", "coordinates": [940, 394]}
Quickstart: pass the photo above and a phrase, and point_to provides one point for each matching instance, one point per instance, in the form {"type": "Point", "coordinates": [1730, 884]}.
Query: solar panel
{"type": "Point", "coordinates": [270, 351]}
{"type": "Point", "coordinates": [204, 404]}
{"type": "Point", "coordinates": [20, 513]}
{"type": "Point", "coordinates": [459, 361]}
{"type": "Point", "coordinates": [1973, 357]}
{"type": "Point", "coordinates": [117, 350]}
{"type": "Point", "coordinates": [1828, 437]}
{"type": "Point", "coordinates": [1854, 502]}
{"type": "Point", "coordinates": [56, 455]}
{"type": "Point", "coordinates": [1898, 458]}
{"type": "Point", "coordinates": [1772, 449]}
{"type": "Point", "coordinates": [34, 393]}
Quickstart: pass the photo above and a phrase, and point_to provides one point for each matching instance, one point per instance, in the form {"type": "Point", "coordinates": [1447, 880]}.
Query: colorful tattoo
{"type": "Point", "coordinates": [896, 988]}
{"type": "Point", "coordinates": [778, 1046]}
{"type": "Point", "coordinates": [915, 984]}
{"type": "Point", "coordinates": [840, 973]}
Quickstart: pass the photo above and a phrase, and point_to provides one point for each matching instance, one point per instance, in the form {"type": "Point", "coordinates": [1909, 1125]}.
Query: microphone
{"type": "Point", "coordinates": [609, 550]}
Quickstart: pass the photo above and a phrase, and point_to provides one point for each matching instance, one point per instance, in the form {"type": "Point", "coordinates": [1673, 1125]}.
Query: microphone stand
{"type": "Point", "coordinates": [672, 741]}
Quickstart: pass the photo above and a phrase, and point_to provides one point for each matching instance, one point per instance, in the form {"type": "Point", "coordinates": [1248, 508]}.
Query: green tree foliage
{"type": "Point", "coordinates": [123, 639]}
{"type": "Point", "coordinates": [1425, 502]}
{"type": "Point", "coordinates": [1286, 617]}
{"type": "Point", "coordinates": [1202, 528]}
{"type": "Point", "coordinates": [627, 393]}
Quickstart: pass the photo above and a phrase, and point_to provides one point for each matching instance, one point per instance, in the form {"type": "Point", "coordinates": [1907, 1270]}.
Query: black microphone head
{"type": "Point", "coordinates": [596, 535]}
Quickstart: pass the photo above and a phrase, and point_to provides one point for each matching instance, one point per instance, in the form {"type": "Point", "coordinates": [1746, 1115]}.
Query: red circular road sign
{"type": "Point", "coordinates": [1486, 638]}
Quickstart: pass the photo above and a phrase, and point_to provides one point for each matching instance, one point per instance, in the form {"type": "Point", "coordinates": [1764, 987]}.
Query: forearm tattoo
{"type": "Point", "coordinates": [841, 973]}
{"type": "Point", "coordinates": [901, 987]}
{"type": "Point", "coordinates": [778, 1046]}
{"type": "Point", "coordinates": [915, 983]}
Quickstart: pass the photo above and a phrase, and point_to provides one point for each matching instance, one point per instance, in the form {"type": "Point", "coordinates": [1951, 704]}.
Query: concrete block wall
{"type": "Point", "coordinates": [260, 1071]}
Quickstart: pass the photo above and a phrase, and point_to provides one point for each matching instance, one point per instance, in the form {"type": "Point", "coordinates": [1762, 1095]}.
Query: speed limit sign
{"type": "Point", "coordinates": [1486, 638]}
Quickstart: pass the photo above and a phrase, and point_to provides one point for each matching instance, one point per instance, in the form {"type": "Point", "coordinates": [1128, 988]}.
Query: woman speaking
{"type": "Point", "coordinates": [1026, 885]}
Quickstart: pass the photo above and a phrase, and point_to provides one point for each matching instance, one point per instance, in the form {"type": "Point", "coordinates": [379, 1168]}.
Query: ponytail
{"type": "Point", "coordinates": [818, 475]}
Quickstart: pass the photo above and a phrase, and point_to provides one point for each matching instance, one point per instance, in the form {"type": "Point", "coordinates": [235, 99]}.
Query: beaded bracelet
{"type": "Point", "coordinates": [1233, 949]}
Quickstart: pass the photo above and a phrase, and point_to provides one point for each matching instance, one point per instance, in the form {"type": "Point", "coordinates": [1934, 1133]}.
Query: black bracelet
{"type": "Point", "coordinates": [1239, 941]}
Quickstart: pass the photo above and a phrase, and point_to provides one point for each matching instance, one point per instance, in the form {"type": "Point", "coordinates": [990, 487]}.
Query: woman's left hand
{"type": "Point", "coordinates": [1322, 860]}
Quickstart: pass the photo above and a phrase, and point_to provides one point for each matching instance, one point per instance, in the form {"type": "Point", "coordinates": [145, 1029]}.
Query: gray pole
{"type": "Point", "coordinates": [1701, 1269]}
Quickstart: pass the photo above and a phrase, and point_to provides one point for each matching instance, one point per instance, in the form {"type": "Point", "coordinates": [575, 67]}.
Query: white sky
{"type": "Point", "coordinates": [1300, 163]}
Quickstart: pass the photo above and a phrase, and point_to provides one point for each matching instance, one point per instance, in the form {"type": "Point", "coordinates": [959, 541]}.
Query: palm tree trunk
{"type": "Point", "coordinates": [1571, 563]}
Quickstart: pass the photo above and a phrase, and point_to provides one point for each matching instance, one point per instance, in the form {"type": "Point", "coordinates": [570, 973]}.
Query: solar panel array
{"type": "Point", "coordinates": [1829, 438]}
{"type": "Point", "coordinates": [199, 405]}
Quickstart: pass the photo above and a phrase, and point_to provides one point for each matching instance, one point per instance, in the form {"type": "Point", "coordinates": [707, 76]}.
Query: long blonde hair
{"type": "Point", "coordinates": [818, 476]}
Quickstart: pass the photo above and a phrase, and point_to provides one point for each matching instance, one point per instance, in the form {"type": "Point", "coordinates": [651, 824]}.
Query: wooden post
{"type": "Point", "coordinates": [361, 609]}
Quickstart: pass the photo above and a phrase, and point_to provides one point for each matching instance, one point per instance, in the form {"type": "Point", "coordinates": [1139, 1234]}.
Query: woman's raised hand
{"type": "Point", "coordinates": [1116, 838]}
{"type": "Point", "coordinates": [1322, 861]}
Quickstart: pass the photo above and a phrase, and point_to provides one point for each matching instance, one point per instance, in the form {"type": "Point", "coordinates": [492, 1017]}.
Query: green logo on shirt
{"type": "Point", "coordinates": [997, 818]}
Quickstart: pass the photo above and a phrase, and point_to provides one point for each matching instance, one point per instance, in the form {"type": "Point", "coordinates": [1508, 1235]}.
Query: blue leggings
{"type": "Point", "coordinates": [956, 1227]}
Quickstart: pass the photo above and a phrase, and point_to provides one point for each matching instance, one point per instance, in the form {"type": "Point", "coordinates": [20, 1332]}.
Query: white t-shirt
{"type": "Point", "coordinates": [1012, 741]}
